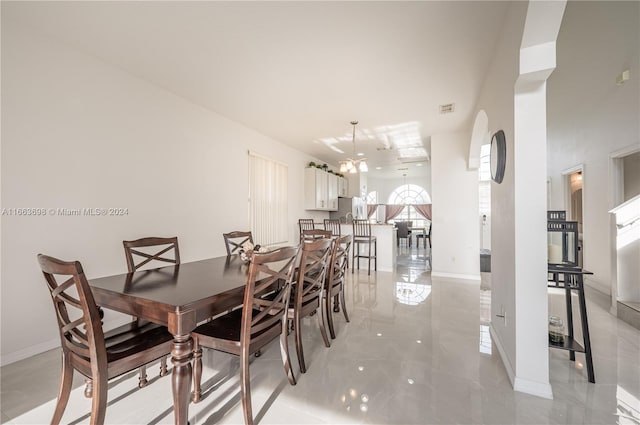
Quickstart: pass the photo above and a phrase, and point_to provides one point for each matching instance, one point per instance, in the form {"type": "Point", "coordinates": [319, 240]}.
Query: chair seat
{"type": "Point", "coordinates": [365, 239]}
{"type": "Point", "coordinates": [227, 327]}
{"type": "Point", "coordinates": [132, 338]}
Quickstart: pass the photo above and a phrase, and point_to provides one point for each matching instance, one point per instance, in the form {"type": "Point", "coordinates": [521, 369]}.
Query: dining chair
{"type": "Point", "coordinates": [403, 233]}
{"type": "Point", "coordinates": [336, 281]}
{"type": "Point", "coordinates": [362, 235]}
{"type": "Point", "coordinates": [233, 241]}
{"type": "Point", "coordinates": [244, 331]}
{"type": "Point", "coordinates": [313, 234]}
{"type": "Point", "coordinates": [333, 225]}
{"type": "Point", "coordinates": [96, 354]}
{"type": "Point", "coordinates": [142, 248]}
{"type": "Point", "coordinates": [308, 289]}
{"type": "Point", "coordinates": [165, 245]}
{"type": "Point", "coordinates": [427, 237]}
{"type": "Point", "coordinates": [305, 224]}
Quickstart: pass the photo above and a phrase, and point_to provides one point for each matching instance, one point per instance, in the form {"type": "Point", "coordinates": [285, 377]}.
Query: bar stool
{"type": "Point", "coordinates": [333, 225]}
{"type": "Point", "coordinates": [305, 224]}
{"type": "Point", "coordinates": [362, 235]}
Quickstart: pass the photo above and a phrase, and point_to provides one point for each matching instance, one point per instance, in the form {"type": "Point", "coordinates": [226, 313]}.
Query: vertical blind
{"type": "Point", "coordinates": [268, 200]}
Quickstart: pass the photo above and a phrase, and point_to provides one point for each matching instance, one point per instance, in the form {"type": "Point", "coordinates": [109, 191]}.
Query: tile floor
{"type": "Point", "coordinates": [417, 351]}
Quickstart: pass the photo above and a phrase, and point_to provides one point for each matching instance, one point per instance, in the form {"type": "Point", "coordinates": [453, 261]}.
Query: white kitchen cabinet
{"type": "Point", "coordinates": [315, 189]}
{"type": "Point", "coordinates": [343, 187]}
{"type": "Point", "coordinates": [332, 192]}
{"type": "Point", "coordinates": [321, 190]}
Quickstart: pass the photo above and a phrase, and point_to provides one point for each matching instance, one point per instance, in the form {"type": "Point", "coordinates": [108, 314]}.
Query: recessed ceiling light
{"type": "Point", "coordinates": [360, 154]}
{"type": "Point", "coordinates": [418, 165]}
{"type": "Point", "coordinates": [378, 168]}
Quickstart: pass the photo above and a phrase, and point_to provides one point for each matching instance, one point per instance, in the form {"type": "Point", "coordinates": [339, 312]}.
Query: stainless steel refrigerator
{"type": "Point", "coordinates": [349, 208]}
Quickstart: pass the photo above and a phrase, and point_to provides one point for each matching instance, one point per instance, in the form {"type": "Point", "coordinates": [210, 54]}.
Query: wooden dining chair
{"type": "Point", "coordinates": [336, 281]}
{"type": "Point", "coordinates": [139, 250]}
{"type": "Point", "coordinates": [362, 235]}
{"type": "Point", "coordinates": [427, 237]}
{"type": "Point", "coordinates": [97, 355]}
{"type": "Point", "coordinates": [244, 331]}
{"type": "Point", "coordinates": [233, 241]}
{"type": "Point", "coordinates": [313, 234]}
{"type": "Point", "coordinates": [333, 225]}
{"type": "Point", "coordinates": [164, 244]}
{"type": "Point", "coordinates": [308, 289]}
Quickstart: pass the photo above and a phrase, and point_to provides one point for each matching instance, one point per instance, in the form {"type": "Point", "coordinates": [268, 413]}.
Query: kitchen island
{"type": "Point", "coordinates": [386, 239]}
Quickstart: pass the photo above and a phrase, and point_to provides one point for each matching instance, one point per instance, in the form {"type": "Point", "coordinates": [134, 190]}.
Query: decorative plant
{"type": "Point", "coordinates": [312, 164]}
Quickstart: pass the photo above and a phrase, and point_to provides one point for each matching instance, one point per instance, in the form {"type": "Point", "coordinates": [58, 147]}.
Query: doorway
{"type": "Point", "coordinates": [574, 185]}
{"type": "Point", "coordinates": [625, 234]}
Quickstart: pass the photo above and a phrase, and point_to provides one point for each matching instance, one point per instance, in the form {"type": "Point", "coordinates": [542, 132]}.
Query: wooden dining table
{"type": "Point", "coordinates": [178, 297]}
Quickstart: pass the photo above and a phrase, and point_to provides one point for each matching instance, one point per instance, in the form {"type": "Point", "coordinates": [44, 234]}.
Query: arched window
{"type": "Point", "coordinates": [408, 194]}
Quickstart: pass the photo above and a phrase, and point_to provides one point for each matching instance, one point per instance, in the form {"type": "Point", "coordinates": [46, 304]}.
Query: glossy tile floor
{"type": "Point", "coordinates": [417, 351]}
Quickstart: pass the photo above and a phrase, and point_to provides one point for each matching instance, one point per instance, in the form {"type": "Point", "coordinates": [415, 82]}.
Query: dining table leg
{"type": "Point", "coordinates": [181, 357]}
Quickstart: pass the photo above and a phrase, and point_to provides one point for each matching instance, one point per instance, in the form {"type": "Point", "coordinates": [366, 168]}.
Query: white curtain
{"type": "Point", "coordinates": [268, 200]}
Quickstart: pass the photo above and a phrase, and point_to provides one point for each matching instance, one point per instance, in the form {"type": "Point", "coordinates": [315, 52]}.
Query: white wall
{"type": "Point", "coordinates": [589, 116]}
{"type": "Point", "coordinates": [456, 237]}
{"type": "Point", "coordinates": [80, 133]}
{"type": "Point", "coordinates": [631, 164]}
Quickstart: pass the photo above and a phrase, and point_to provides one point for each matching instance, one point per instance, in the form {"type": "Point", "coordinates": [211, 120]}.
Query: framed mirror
{"type": "Point", "coordinates": [498, 156]}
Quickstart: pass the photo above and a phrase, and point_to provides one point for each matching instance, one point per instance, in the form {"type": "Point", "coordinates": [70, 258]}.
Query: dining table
{"type": "Point", "coordinates": [179, 297]}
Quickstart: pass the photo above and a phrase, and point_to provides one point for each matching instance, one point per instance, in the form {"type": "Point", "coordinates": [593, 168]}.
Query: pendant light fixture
{"type": "Point", "coordinates": [351, 165]}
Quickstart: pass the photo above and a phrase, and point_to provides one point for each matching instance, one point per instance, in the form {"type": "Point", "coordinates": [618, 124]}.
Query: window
{"type": "Point", "coordinates": [268, 200]}
{"type": "Point", "coordinates": [484, 175]}
{"type": "Point", "coordinates": [410, 194]}
{"type": "Point", "coordinates": [372, 198]}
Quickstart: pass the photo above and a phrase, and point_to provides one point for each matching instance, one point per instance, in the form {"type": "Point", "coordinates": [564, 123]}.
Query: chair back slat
{"type": "Point", "coordinates": [233, 241]}
{"type": "Point", "coordinates": [270, 271]}
{"type": "Point", "coordinates": [305, 224]}
{"type": "Point", "coordinates": [79, 321]}
{"type": "Point", "coordinates": [339, 261]}
{"type": "Point", "coordinates": [312, 270]}
{"type": "Point", "coordinates": [361, 228]}
{"type": "Point", "coordinates": [332, 225]}
{"type": "Point", "coordinates": [166, 244]}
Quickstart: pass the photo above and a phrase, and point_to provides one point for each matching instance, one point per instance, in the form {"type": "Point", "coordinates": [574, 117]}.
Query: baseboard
{"type": "Point", "coordinates": [36, 349]}
{"type": "Point", "coordinates": [503, 355]}
{"type": "Point", "coordinates": [534, 388]}
{"type": "Point", "coordinates": [628, 313]}
{"type": "Point", "coordinates": [456, 275]}
{"type": "Point", "coordinates": [30, 351]}
{"type": "Point", "coordinates": [519, 384]}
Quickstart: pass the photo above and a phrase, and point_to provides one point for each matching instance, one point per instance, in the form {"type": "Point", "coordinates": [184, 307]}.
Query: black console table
{"type": "Point", "coordinates": [571, 279]}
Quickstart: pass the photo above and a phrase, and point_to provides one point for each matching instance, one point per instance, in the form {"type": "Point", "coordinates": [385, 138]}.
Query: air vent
{"type": "Point", "coordinates": [447, 108]}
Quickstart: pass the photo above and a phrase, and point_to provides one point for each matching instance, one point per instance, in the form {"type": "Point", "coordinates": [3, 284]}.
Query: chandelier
{"type": "Point", "coordinates": [353, 165]}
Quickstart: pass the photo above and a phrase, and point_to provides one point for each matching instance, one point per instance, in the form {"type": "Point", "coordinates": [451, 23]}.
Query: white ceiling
{"type": "Point", "coordinates": [299, 72]}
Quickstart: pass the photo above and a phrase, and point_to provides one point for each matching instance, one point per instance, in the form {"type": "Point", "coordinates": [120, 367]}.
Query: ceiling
{"type": "Point", "coordinates": [299, 72]}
